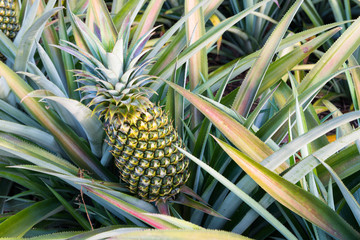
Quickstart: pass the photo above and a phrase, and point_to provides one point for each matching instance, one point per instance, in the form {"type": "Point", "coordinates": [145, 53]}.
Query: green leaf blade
{"type": "Point", "coordinates": [293, 197]}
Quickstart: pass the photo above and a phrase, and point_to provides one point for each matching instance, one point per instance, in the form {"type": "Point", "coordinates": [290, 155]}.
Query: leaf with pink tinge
{"type": "Point", "coordinates": [99, 21]}
{"type": "Point", "coordinates": [233, 130]}
{"type": "Point", "coordinates": [249, 88]}
{"type": "Point", "coordinates": [187, 201]}
{"type": "Point", "coordinates": [293, 197]}
{"type": "Point", "coordinates": [148, 20]}
{"type": "Point", "coordinates": [180, 235]}
{"type": "Point", "coordinates": [132, 210]}
{"type": "Point", "coordinates": [185, 189]}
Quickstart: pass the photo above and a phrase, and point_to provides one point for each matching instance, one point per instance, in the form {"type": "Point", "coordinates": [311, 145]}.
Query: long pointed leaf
{"type": "Point", "coordinates": [248, 89]}
{"type": "Point", "coordinates": [242, 195]}
{"type": "Point", "coordinates": [334, 57]}
{"type": "Point", "coordinates": [20, 223]}
{"type": "Point", "coordinates": [72, 145]}
{"type": "Point", "coordinates": [293, 197]}
{"type": "Point", "coordinates": [233, 130]}
{"type": "Point", "coordinates": [99, 21]}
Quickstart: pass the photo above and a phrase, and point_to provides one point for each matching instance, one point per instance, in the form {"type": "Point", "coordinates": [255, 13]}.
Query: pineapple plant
{"type": "Point", "coordinates": [115, 82]}
{"type": "Point", "coordinates": [8, 21]}
{"type": "Point", "coordinates": [144, 142]}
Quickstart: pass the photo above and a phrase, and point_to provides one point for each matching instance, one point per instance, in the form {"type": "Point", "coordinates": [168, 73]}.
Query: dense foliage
{"type": "Point", "coordinates": [172, 119]}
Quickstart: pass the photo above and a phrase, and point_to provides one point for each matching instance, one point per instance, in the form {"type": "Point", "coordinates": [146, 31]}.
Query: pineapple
{"type": "Point", "coordinates": [8, 21]}
{"type": "Point", "coordinates": [140, 133]}
{"type": "Point", "coordinates": [145, 153]}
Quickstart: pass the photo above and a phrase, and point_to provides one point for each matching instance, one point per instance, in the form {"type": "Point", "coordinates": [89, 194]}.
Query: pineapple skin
{"type": "Point", "coordinates": [146, 156]}
{"type": "Point", "coordinates": [8, 21]}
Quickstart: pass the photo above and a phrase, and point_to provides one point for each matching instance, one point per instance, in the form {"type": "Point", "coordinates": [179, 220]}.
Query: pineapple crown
{"type": "Point", "coordinates": [113, 76]}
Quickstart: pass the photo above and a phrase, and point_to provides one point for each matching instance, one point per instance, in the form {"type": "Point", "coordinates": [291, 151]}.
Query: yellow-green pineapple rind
{"type": "Point", "coordinates": [8, 20]}
{"type": "Point", "coordinates": [146, 155]}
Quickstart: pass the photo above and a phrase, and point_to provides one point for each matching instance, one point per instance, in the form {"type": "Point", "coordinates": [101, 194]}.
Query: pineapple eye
{"type": "Point", "coordinates": [132, 142]}
{"type": "Point", "coordinates": [177, 180]}
{"type": "Point", "coordinates": [168, 151]}
{"type": "Point", "coordinates": [186, 176]}
{"type": "Point", "coordinates": [2, 11]}
{"type": "Point", "coordinates": [148, 155]}
{"type": "Point", "coordinates": [159, 154]}
{"type": "Point", "coordinates": [144, 194]}
{"type": "Point", "coordinates": [167, 181]}
{"type": "Point", "coordinates": [138, 154]}
{"type": "Point", "coordinates": [133, 181]}
{"type": "Point", "coordinates": [153, 135]}
{"type": "Point", "coordinates": [144, 180]}
{"type": "Point", "coordinates": [156, 112]}
{"type": "Point", "coordinates": [174, 158]}
{"type": "Point", "coordinates": [134, 160]}
{"type": "Point", "coordinates": [152, 145]}
{"type": "Point", "coordinates": [180, 167]}
{"type": "Point", "coordinates": [186, 162]}
{"type": "Point", "coordinates": [156, 181]}
{"type": "Point", "coordinates": [120, 161]}
{"type": "Point", "coordinates": [130, 166]}
{"type": "Point", "coordinates": [121, 138]}
{"type": "Point", "coordinates": [161, 143]}
{"type": "Point", "coordinates": [155, 164]}
{"type": "Point", "coordinates": [142, 125]}
{"type": "Point", "coordinates": [142, 146]}
{"type": "Point", "coordinates": [165, 162]}
{"type": "Point", "coordinates": [171, 170]}
{"type": "Point", "coordinates": [134, 132]}
{"type": "Point", "coordinates": [139, 171]}
{"type": "Point", "coordinates": [165, 191]}
{"type": "Point", "coordinates": [134, 178]}
{"type": "Point", "coordinates": [143, 136]}
{"type": "Point", "coordinates": [152, 126]}
{"type": "Point", "coordinates": [9, 27]}
{"type": "Point", "coordinates": [124, 128]}
{"type": "Point", "coordinates": [154, 190]}
{"type": "Point", "coordinates": [125, 176]}
{"type": "Point", "coordinates": [127, 150]}
{"type": "Point", "coordinates": [161, 132]}
{"type": "Point", "coordinates": [144, 163]}
{"type": "Point", "coordinates": [150, 172]}
{"type": "Point", "coordinates": [161, 172]}
{"type": "Point", "coordinates": [126, 171]}
{"type": "Point", "coordinates": [12, 34]}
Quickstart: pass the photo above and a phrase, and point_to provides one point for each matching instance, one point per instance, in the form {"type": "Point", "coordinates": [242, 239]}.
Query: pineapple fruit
{"type": "Point", "coordinates": [8, 21]}
{"type": "Point", "coordinates": [143, 140]}
{"type": "Point", "coordinates": [145, 153]}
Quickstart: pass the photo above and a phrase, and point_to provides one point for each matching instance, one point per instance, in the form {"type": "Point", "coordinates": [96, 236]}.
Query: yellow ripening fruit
{"type": "Point", "coordinates": [147, 157]}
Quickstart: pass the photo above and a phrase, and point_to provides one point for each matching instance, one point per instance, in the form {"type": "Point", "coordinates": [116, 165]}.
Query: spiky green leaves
{"type": "Point", "coordinates": [114, 77]}
{"type": "Point", "coordinates": [123, 101]}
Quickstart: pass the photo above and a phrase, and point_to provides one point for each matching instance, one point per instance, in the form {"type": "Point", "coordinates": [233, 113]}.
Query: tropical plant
{"type": "Point", "coordinates": [76, 72]}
